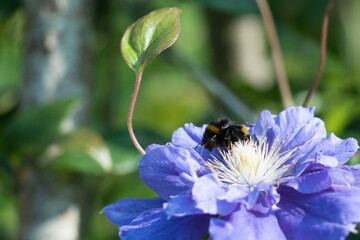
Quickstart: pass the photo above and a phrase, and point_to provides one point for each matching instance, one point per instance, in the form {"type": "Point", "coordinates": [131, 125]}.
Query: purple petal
{"type": "Point", "coordinates": [170, 170]}
{"type": "Point", "coordinates": [297, 126]}
{"type": "Point", "coordinates": [254, 195]}
{"type": "Point", "coordinates": [332, 149]}
{"type": "Point", "coordinates": [125, 210]}
{"type": "Point", "coordinates": [152, 147]}
{"type": "Point", "coordinates": [154, 224]}
{"type": "Point", "coordinates": [237, 193]}
{"type": "Point", "coordinates": [325, 215]}
{"type": "Point", "coordinates": [244, 224]}
{"type": "Point", "coordinates": [206, 196]}
{"type": "Point", "coordinates": [270, 197]}
{"type": "Point", "coordinates": [355, 170]}
{"type": "Point", "coordinates": [208, 187]}
{"type": "Point", "coordinates": [215, 153]}
{"type": "Point", "coordinates": [300, 129]}
{"type": "Point", "coordinates": [307, 136]}
{"type": "Point", "coordinates": [182, 205]}
{"type": "Point", "coordinates": [209, 195]}
{"type": "Point", "coordinates": [263, 123]}
{"type": "Point", "coordinates": [321, 180]}
{"type": "Point", "coordinates": [260, 199]}
{"type": "Point", "coordinates": [189, 136]}
{"type": "Point", "coordinates": [291, 120]}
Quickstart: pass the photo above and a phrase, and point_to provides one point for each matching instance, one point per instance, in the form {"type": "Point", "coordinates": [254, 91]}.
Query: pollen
{"type": "Point", "coordinates": [250, 162]}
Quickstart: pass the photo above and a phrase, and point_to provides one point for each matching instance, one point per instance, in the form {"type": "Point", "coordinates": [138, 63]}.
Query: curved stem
{"type": "Point", "coordinates": [276, 53]}
{"type": "Point", "coordinates": [323, 52]}
{"type": "Point", "coordinates": [131, 112]}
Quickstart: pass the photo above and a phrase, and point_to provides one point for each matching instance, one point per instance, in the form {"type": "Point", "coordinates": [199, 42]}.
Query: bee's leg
{"type": "Point", "coordinates": [211, 144]}
{"type": "Point", "coordinates": [197, 146]}
{"type": "Point", "coordinates": [213, 138]}
{"type": "Point", "coordinates": [227, 138]}
{"type": "Point", "coordinates": [202, 149]}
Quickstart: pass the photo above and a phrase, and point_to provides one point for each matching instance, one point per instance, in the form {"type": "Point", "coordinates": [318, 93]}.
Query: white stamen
{"type": "Point", "coordinates": [250, 162]}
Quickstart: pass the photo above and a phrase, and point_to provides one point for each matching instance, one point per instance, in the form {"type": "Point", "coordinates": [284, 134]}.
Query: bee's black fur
{"type": "Point", "coordinates": [222, 133]}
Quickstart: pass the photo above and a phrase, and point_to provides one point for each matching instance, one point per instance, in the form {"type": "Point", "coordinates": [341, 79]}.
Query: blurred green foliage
{"type": "Point", "coordinates": [170, 94]}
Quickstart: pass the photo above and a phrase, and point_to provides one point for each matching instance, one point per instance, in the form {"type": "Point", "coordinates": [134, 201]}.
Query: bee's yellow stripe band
{"type": "Point", "coordinates": [212, 128]}
{"type": "Point", "coordinates": [244, 129]}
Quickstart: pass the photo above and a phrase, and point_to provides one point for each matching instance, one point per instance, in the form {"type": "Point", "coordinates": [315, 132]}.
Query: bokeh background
{"type": "Point", "coordinates": [65, 93]}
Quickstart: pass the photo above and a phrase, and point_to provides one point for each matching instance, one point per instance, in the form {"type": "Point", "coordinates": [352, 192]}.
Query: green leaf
{"type": "Point", "coordinates": [82, 150]}
{"type": "Point", "coordinates": [125, 159]}
{"type": "Point", "coordinates": [85, 151]}
{"type": "Point", "coordinates": [8, 100]}
{"type": "Point", "coordinates": [149, 36]}
{"type": "Point", "coordinates": [30, 131]}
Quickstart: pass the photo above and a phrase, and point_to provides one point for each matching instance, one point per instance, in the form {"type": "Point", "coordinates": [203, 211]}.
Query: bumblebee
{"type": "Point", "coordinates": [222, 133]}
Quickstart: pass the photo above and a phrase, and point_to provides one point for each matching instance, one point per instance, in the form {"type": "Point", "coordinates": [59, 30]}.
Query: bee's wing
{"type": "Point", "coordinates": [249, 124]}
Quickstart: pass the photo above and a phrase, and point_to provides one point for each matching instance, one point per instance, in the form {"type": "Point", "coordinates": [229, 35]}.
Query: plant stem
{"type": "Point", "coordinates": [276, 53]}
{"type": "Point", "coordinates": [131, 112]}
{"type": "Point", "coordinates": [323, 52]}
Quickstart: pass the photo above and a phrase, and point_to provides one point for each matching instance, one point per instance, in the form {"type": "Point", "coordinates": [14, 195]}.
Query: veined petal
{"type": "Point", "coordinates": [209, 195]}
{"type": "Point", "coordinates": [170, 170]}
{"type": "Point", "coordinates": [355, 170]}
{"type": "Point", "coordinates": [237, 194]}
{"type": "Point", "coordinates": [307, 136]}
{"type": "Point", "coordinates": [244, 224]}
{"type": "Point", "coordinates": [125, 210]}
{"type": "Point", "coordinates": [182, 205]}
{"type": "Point", "coordinates": [264, 122]}
{"type": "Point", "coordinates": [333, 147]}
{"type": "Point", "coordinates": [208, 187]}
{"type": "Point", "coordinates": [261, 199]}
{"type": "Point", "coordinates": [269, 198]}
{"type": "Point", "coordinates": [189, 136]}
{"type": "Point", "coordinates": [152, 147]}
{"type": "Point", "coordinates": [325, 215]}
{"type": "Point", "coordinates": [321, 180]}
{"type": "Point", "coordinates": [206, 197]}
{"type": "Point", "coordinates": [154, 224]}
{"type": "Point", "coordinates": [290, 121]}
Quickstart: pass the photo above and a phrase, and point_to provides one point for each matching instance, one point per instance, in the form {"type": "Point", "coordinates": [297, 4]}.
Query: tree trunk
{"type": "Point", "coordinates": [56, 65]}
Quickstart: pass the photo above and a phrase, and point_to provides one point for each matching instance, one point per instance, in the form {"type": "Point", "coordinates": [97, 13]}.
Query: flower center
{"type": "Point", "coordinates": [250, 162]}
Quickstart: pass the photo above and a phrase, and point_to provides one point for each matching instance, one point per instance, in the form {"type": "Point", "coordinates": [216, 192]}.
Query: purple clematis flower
{"type": "Point", "coordinates": [288, 182]}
